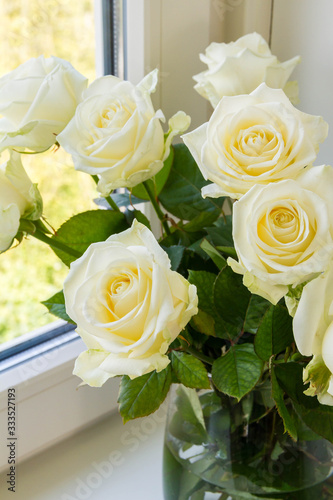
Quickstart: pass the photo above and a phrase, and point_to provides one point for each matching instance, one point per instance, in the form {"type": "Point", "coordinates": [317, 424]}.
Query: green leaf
{"type": "Point", "coordinates": [181, 194]}
{"type": "Point", "coordinates": [156, 183]}
{"type": "Point", "coordinates": [278, 395]}
{"type": "Point", "coordinates": [231, 297]}
{"type": "Point", "coordinates": [139, 216]}
{"type": "Point", "coordinates": [175, 253]}
{"type": "Point", "coordinates": [204, 281]}
{"type": "Point", "coordinates": [216, 257]}
{"type": "Point", "coordinates": [143, 395]}
{"type": "Point", "coordinates": [275, 332]}
{"type": "Point", "coordinates": [56, 306]}
{"type": "Point", "coordinates": [318, 417]}
{"type": "Point", "coordinates": [204, 323]}
{"type": "Point", "coordinates": [220, 234]}
{"type": "Point", "coordinates": [122, 200]}
{"type": "Point", "coordinates": [235, 304]}
{"type": "Point", "coordinates": [229, 251]}
{"type": "Point", "coordinates": [190, 371]}
{"type": "Point", "coordinates": [237, 372]}
{"type": "Point", "coordinates": [202, 220]}
{"type": "Point", "coordinates": [86, 228]}
{"type": "Point", "coordinates": [189, 406]}
{"type": "Point", "coordinates": [257, 308]}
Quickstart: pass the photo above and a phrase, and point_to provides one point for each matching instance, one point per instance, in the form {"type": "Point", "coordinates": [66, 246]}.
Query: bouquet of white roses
{"type": "Point", "coordinates": [236, 294]}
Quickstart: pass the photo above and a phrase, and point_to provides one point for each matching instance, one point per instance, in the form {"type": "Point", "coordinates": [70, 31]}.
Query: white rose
{"type": "Point", "coordinates": [254, 139]}
{"type": "Point", "coordinates": [239, 67]}
{"type": "Point", "coordinates": [19, 198]}
{"type": "Point", "coordinates": [37, 100]}
{"type": "Point", "coordinates": [283, 232]}
{"type": "Point", "coordinates": [313, 332]}
{"type": "Point", "coordinates": [116, 134]}
{"type": "Point", "coordinates": [128, 305]}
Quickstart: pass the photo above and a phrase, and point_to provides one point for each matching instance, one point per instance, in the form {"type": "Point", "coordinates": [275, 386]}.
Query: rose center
{"type": "Point", "coordinates": [107, 116]}
{"type": "Point", "coordinates": [283, 224]}
{"type": "Point", "coordinates": [282, 218]}
{"type": "Point", "coordinates": [253, 143]}
{"type": "Point", "coordinates": [119, 286]}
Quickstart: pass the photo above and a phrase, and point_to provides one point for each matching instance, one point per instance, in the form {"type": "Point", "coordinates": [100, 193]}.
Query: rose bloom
{"type": "Point", "coordinates": [313, 332]}
{"type": "Point", "coordinates": [18, 198]}
{"type": "Point", "coordinates": [239, 67]}
{"type": "Point", "coordinates": [37, 100]}
{"type": "Point", "coordinates": [254, 139]}
{"type": "Point", "coordinates": [116, 134]}
{"type": "Point", "coordinates": [283, 232]}
{"type": "Point", "coordinates": [128, 305]}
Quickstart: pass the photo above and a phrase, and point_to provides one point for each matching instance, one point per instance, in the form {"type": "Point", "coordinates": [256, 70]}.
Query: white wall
{"type": "Point", "coordinates": [304, 27]}
{"type": "Point", "coordinates": [173, 34]}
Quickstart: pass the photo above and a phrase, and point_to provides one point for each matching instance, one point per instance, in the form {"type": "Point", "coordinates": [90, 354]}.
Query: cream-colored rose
{"type": "Point", "coordinates": [239, 67]}
{"type": "Point", "coordinates": [19, 198]}
{"type": "Point", "coordinates": [128, 305]}
{"type": "Point", "coordinates": [254, 139]}
{"type": "Point", "coordinates": [283, 232]}
{"type": "Point", "coordinates": [116, 134]}
{"type": "Point", "coordinates": [37, 100]}
{"type": "Point", "coordinates": [313, 332]}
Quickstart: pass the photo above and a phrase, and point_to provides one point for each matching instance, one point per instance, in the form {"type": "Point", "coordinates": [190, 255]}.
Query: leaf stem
{"type": "Point", "coordinates": [195, 353]}
{"type": "Point", "coordinates": [157, 209]}
{"type": "Point", "coordinates": [52, 242]}
{"type": "Point", "coordinates": [110, 201]}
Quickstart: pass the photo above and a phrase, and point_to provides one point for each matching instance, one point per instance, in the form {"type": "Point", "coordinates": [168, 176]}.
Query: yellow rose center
{"type": "Point", "coordinates": [107, 116]}
{"type": "Point", "coordinates": [121, 294]}
{"type": "Point", "coordinates": [115, 114]}
{"type": "Point", "coordinates": [284, 224]}
{"type": "Point", "coordinates": [285, 233]}
{"type": "Point", "coordinates": [254, 143]}
{"type": "Point", "coordinates": [119, 285]}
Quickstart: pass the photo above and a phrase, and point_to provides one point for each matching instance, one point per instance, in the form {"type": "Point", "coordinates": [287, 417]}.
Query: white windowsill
{"type": "Point", "coordinates": [105, 461]}
{"type": "Point", "coordinates": [49, 407]}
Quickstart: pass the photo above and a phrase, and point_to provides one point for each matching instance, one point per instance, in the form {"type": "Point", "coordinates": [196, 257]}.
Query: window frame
{"type": "Point", "coordinates": [39, 364]}
{"type": "Point", "coordinates": [49, 407]}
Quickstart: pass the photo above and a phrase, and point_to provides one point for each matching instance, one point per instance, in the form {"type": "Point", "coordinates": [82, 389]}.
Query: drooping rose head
{"type": "Point", "coordinates": [239, 67]}
{"type": "Point", "coordinates": [37, 100]}
{"type": "Point", "coordinates": [254, 139]}
{"type": "Point", "coordinates": [116, 133]}
{"type": "Point", "coordinates": [313, 332]}
{"type": "Point", "coordinates": [19, 197]}
{"type": "Point", "coordinates": [283, 232]}
{"type": "Point", "coordinates": [128, 305]}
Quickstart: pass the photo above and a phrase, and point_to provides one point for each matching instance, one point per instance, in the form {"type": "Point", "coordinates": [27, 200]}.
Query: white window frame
{"type": "Point", "coordinates": [49, 408]}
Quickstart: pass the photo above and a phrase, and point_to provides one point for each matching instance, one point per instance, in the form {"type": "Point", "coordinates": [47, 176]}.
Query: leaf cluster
{"type": "Point", "coordinates": [238, 342]}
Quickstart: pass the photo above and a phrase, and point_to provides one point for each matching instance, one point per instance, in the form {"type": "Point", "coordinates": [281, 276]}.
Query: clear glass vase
{"type": "Point", "coordinates": [219, 449]}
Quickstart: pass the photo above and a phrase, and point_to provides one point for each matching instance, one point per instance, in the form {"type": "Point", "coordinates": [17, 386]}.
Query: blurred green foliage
{"type": "Point", "coordinates": [31, 272]}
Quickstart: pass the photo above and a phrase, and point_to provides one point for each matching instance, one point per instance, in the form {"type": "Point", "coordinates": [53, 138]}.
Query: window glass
{"type": "Point", "coordinates": [32, 273]}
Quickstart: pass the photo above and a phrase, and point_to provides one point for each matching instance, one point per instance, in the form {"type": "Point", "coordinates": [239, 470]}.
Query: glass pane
{"type": "Point", "coordinates": [32, 273]}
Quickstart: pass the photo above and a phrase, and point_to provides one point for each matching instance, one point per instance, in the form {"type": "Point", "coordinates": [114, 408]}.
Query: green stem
{"type": "Point", "coordinates": [110, 201]}
{"type": "Point", "coordinates": [157, 209]}
{"type": "Point", "coordinates": [195, 353]}
{"type": "Point", "coordinates": [39, 235]}
{"type": "Point", "coordinates": [231, 206]}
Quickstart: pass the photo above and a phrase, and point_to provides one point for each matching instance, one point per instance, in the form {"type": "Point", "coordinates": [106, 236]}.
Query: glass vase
{"type": "Point", "coordinates": [219, 449]}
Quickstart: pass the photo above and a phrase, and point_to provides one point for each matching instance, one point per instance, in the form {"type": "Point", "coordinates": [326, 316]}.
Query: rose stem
{"type": "Point", "coordinates": [157, 209]}
{"type": "Point", "coordinates": [56, 244]}
{"type": "Point", "coordinates": [110, 201]}
{"type": "Point", "coordinates": [195, 353]}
